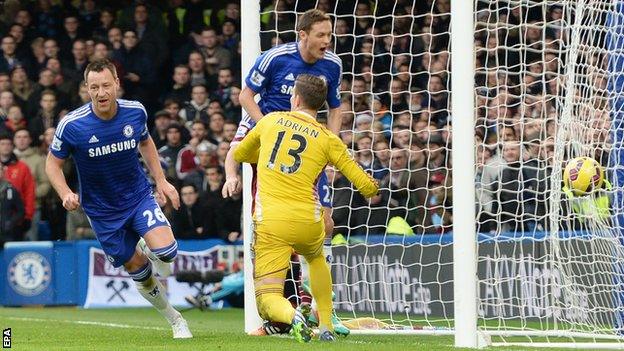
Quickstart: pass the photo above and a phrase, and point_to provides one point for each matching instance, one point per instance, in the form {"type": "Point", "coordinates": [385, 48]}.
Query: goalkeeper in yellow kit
{"type": "Point", "coordinates": [291, 149]}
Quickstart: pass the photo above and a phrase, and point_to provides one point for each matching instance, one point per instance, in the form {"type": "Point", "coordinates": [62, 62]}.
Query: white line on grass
{"type": "Point", "coordinates": [100, 324]}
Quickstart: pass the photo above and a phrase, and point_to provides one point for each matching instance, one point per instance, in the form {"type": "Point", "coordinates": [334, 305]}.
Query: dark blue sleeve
{"type": "Point", "coordinates": [144, 131]}
{"type": "Point", "coordinates": [258, 76]}
{"type": "Point", "coordinates": [61, 145]}
{"type": "Point", "coordinates": [324, 191]}
{"type": "Point", "coordinates": [333, 88]}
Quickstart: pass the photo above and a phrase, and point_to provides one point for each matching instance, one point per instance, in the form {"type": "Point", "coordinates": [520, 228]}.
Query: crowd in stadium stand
{"type": "Point", "coordinates": [182, 61]}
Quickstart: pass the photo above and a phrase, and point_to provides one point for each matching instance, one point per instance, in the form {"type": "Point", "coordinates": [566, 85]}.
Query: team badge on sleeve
{"type": "Point", "coordinates": [56, 144]}
{"type": "Point", "coordinates": [128, 131]}
{"type": "Point", "coordinates": [256, 78]}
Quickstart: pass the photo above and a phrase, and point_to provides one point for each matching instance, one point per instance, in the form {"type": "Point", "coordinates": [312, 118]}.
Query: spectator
{"type": "Point", "coordinates": [51, 48]}
{"type": "Point", "coordinates": [229, 131]}
{"type": "Point", "coordinates": [215, 56]}
{"type": "Point", "coordinates": [48, 18]}
{"type": "Point", "coordinates": [24, 19]}
{"type": "Point", "coordinates": [152, 37]}
{"type": "Point", "coordinates": [181, 89]}
{"type": "Point", "coordinates": [11, 211]}
{"type": "Point", "coordinates": [8, 59]}
{"type": "Point", "coordinates": [78, 61]}
{"type": "Point", "coordinates": [408, 192]}
{"type": "Point", "coordinates": [197, 107]}
{"type": "Point", "coordinates": [169, 152]}
{"type": "Point", "coordinates": [22, 49]}
{"type": "Point", "coordinates": [89, 16]}
{"type": "Point", "coordinates": [364, 156]}
{"type": "Point", "coordinates": [70, 34]}
{"type": "Point", "coordinates": [115, 38]}
{"type": "Point", "coordinates": [46, 117]}
{"type": "Point", "coordinates": [398, 93]}
{"type": "Point", "coordinates": [183, 19]}
{"type": "Point", "coordinates": [222, 151]}
{"type": "Point", "coordinates": [5, 82]}
{"type": "Point", "coordinates": [198, 69]}
{"type": "Point", "coordinates": [106, 21]}
{"type": "Point", "coordinates": [205, 159]}
{"type": "Point", "coordinates": [140, 73]}
{"type": "Point", "coordinates": [516, 200]}
{"type": "Point", "coordinates": [162, 120]}
{"type": "Point", "coordinates": [187, 160]}
{"type": "Point", "coordinates": [215, 128]}
{"type": "Point", "coordinates": [224, 84]}
{"type": "Point", "coordinates": [232, 107]}
{"type": "Point", "coordinates": [188, 221]}
{"type": "Point", "coordinates": [15, 119]}
{"type": "Point", "coordinates": [38, 58]}
{"type": "Point", "coordinates": [382, 153]}
{"type": "Point", "coordinates": [228, 218]}
{"type": "Point", "coordinates": [213, 183]}
{"type": "Point", "coordinates": [21, 86]}
{"type": "Point", "coordinates": [64, 83]}
{"type": "Point", "coordinates": [18, 174]}
{"type": "Point", "coordinates": [46, 83]}
{"type": "Point", "coordinates": [230, 38]}
{"type": "Point", "coordinates": [26, 153]}
{"type": "Point", "coordinates": [6, 101]}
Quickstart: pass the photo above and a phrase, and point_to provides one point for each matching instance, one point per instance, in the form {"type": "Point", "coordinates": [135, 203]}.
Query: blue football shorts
{"type": "Point", "coordinates": [119, 237]}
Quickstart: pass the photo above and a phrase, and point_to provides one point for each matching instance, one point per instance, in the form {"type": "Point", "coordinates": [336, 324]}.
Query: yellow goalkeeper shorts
{"type": "Point", "coordinates": [275, 241]}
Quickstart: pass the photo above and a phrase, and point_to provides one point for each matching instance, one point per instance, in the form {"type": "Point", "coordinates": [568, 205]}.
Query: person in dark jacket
{"type": "Point", "coordinates": [11, 211]}
{"type": "Point", "coordinates": [187, 221]}
{"type": "Point", "coordinates": [140, 72]}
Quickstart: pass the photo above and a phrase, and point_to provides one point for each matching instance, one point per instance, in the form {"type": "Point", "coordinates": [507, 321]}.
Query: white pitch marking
{"type": "Point", "coordinates": [101, 324]}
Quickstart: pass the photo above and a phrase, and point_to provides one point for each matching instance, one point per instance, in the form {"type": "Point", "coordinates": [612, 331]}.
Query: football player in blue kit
{"type": "Point", "coordinates": [105, 137]}
{"type": "Point", "coordinates": [272, 77]}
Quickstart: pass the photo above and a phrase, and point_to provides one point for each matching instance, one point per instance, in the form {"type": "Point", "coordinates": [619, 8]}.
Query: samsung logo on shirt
{"type": "Point", "coordinates": [288, 90]}
{"type": "Point", "coordinates": [112, 148]}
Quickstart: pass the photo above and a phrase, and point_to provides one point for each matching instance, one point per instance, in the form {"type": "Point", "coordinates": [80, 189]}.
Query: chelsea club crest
{"type": "Point", "coordinates": [128, 131]}
{"type": "Point", "coordinates": [29, 273]}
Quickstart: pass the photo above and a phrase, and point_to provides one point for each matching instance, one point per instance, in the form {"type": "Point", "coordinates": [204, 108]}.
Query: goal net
{"type": "Point", "coordinates": [550, 265]}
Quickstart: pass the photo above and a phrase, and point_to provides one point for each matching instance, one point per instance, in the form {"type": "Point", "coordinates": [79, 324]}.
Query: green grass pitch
{"type": "Point", "coordinates": [70, 328]}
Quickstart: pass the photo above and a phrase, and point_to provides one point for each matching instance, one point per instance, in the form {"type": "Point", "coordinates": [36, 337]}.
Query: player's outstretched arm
{"type": "Point", "coordinates": [334, 120]}
{"type": "Point", "coordinates": [163, 187]}
{"type": "Point", "coordinates": [232, 184]}
{"type": "Point", "coordinates": [247, 150]}
{"type": "Point", "coordinates": [54, 171]}
{"type": "Point", "coordinates": [250, 105]}
{"type": "Point", "coordinates": [339, 157]}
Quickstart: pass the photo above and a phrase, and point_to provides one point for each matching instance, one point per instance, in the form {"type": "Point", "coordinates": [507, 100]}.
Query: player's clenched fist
{"type": "Point", "coordinates": [71, 201]}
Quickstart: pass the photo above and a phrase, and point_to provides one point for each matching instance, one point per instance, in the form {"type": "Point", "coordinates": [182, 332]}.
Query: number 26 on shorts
{"type": "Point", "coordinates": [157, 213]}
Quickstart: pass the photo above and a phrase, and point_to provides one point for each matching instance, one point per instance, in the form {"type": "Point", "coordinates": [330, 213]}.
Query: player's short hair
{"type": "Point", "coordinates": [99, 66]}
{"type": "Point", "coordinates": [312, 90]}
{"type": "Point", "coordinates": [310, 17]}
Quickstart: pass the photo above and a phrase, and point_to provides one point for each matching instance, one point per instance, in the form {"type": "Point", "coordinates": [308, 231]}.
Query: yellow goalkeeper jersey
{"type": "Point", "coordinates": [291, 149]}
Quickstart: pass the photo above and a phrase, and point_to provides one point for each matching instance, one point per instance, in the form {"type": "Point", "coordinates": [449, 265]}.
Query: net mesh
{"type": "Point", "coordinates": [546, 260]}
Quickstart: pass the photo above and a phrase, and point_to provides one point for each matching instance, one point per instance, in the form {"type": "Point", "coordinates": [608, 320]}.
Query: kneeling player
{"type": "Point", "coordinates": [291, 149]}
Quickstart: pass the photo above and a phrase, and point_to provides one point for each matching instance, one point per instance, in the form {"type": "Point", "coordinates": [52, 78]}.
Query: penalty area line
{"type": "Point", "coordinates": [94, 323]}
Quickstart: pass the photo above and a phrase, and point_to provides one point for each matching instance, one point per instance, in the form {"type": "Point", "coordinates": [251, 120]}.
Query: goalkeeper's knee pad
{"type": "Point", "coordinates": [167, 253]}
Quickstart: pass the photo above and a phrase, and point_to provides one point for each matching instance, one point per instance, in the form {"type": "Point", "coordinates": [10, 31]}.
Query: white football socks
{"type": "Point", "coordinates": [154, 292]}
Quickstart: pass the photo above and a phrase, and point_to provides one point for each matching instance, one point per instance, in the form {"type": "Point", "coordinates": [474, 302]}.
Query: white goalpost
{"type": "Point", "coordinates": [467, 112]}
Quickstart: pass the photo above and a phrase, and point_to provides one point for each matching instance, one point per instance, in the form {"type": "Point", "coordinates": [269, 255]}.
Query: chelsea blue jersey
{"type": "Point", "coordinates": [274, 73]}
{"type": "Point", "coordinates": [273, 77]}
{"type": "Point", "coordinates": [106, 153]}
